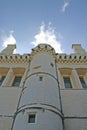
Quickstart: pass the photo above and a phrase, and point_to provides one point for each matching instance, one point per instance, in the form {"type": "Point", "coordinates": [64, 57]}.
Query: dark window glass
{"type": "Point", "coordinates": [17, 81]}
{"type": "Point", "coordinates": [31, 118]}
{"type": "Point", "coordinates": [51, 64]}
{"type": "Point", "coordinates": [67, 82]}
{"type": "Point", "coordinates": [83, 82]}
{"type": "Point", "coordinates": [1, 80]}
{"type": "Point", "coordinates": [40, 78]}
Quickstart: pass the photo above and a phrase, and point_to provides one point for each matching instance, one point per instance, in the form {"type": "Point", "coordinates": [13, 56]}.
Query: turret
{"type": "Point", "coordinates": [39, 106]}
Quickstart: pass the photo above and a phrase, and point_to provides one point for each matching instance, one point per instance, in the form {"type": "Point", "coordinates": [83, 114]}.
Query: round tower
{"type": "Point", "coordinates": [40, 104]}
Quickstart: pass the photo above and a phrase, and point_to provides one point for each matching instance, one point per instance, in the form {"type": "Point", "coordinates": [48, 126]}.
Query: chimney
{"type": "Point", "coordinates": [8, 50]}
{"type": "Point", "coordinates": [78, 49]}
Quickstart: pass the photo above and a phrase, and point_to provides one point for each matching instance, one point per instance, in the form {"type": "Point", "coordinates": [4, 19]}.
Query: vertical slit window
{"type": "Point", "coordinates": [67, 82]}
{"type": "Point", "coordinates": [17, 81]}
{"type": "Point", "coordinates": [51, 64]}
{"type": "Point", "coordinates": [1, 80]}
{"type": "Point", "coordinates": [83, 82]}
{"type": "Point", "coordinates": [40, 78]}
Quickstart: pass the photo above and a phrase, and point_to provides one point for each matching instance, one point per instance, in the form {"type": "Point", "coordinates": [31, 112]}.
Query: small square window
{"type": "Point", "coordinates": [31, 118]}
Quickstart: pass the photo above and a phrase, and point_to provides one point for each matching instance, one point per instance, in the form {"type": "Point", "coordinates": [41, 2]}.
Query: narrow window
{"type": "Point", "coordinates": [40, 78]}
{"type": "Point", "coordinates": [17, 81]}
{"type": "Point", "coordinates": [83, 82]}
{"type": "Point", "coordinates": [1, 80]}
{"type": "Point", "coordinates": [31, 118]}
{"type": "Point", "coordinates": [67, 82]}
{"type": "Point", "coordinates": [51, 64]}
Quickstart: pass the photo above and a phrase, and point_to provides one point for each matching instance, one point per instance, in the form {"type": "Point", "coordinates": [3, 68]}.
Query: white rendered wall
{"type": "Point", "coordinates": [75, 109]}
{"type": "Point", "coordinates": [9, 97]}
{"type": "Point", "coordinates": [41, 91]}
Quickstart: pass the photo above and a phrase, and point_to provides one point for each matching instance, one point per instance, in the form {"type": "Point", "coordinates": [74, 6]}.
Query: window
{"type": "Point", "coordinates": [83, 82]}
{"type": "Point", "coordinates": [31, 118]}
{"type": "Point", "coordinates": [17, 81]}
{"type": "Point", "coordinates": [40, 78]}
{"type": "Point", "coordinates": [51, 64]}
{"type": "Point", "coordinates": [1, 80]}
{"type": "Point", "coordinates": [67, 82]}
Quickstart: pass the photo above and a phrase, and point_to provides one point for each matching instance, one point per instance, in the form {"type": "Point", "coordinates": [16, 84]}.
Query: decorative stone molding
{"type": "Point", "coordinates": [73, 58]}
{"type": "Point", "coordinates": [43, 48]}
{"type": "Point", "coordinates": [15, 58]}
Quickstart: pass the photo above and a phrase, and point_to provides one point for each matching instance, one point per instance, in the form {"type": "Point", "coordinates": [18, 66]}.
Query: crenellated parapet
{"type": "Point", "coordinates": [71, 59]}
{"type": "Point", "coordinates": [79, 55]}
{"type": "Point", "coordinates": [43, 48]}
{"type": "Point", "coordinates": [15, 58]}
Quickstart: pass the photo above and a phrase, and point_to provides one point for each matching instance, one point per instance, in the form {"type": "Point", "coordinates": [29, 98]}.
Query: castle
{"type": "Point", "coordinates": [43, 90]}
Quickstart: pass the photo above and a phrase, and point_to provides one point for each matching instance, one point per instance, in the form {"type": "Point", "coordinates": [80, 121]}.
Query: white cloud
{"type": "Point", "coordinates": [47, 36]}
{"type": "Point", "coordinates": [65, 6]}
{"type": "Point", "coordinates": [8, 39]}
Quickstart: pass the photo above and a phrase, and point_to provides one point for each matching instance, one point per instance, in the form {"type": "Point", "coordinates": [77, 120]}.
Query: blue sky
{"type": "Point", "coordinates": [27, 23]}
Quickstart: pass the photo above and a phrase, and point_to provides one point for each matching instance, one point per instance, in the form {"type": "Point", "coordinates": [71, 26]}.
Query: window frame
{"type": "Point", "coordinates": [2, 79]}
{"type": "Point", "coordinates": [83, 83]}
{"type": "Point", "coordinates": [15, 81]}
{"type": "Point", "coordinates": [31, 118]}
{"type": "Point", "coordinates": [69, 83]}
